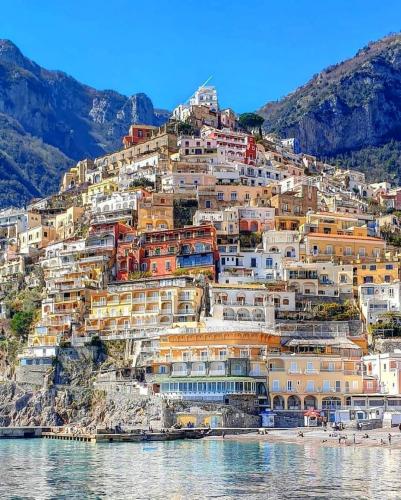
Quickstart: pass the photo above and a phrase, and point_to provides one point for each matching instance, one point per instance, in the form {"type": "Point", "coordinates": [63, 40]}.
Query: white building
{"type": "Point", "coordinates": [145, 167]}
{"type": "Point", "coordinates": [284, 243]}
{"type": "Point", "coordinates": [319, 278]}
{"type": "Point", "coordinates": [205, 96]}
{"type": "Point", "coordinates": [377, 300]}
{"type": "Point", "coordinates": [115, 202]}
{"type": "Point", "coordinates": [243, 303]}
{"type": "Point", "coordinates": [386, 369]}
{"type": "Point", "coordinates": [226, 221]}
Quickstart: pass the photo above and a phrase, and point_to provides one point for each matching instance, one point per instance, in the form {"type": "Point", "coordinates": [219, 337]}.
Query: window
{"type": "Point", "coordinates": [233, 196]}
{"type": "Point", "coordinates": [389, 267]}
{"type": "Point", "coordinates": [362, 252]}
{"type": "Point", "coordinates": [220, 196]}
{"type": "Point", "coordinates": [253, 262]}
{"type": "Point", "coordinates": [372, 267]}
{"type": "Point", "coordinates": [208, 204]}
{"type": "Point", "coordinates": [168, 265]}
{"type": "Point", "coordinates": [368, 279]}
{"type": "Point", "coordinates": [269, 263]}
{"type": "Point", "coordinates": [310, 386]}
{"type": "Point", "coordinates": [276, 385]}
{"type": "Point", "coordinates": [326, 385]}
{"type": "Point", "coordinates": [290, 386]}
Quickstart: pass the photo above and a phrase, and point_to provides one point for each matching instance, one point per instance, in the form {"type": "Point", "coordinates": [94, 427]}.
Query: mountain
{"type": "Point", "coordinates": [49, 120]}
{"type": "Point", "coordinates": [350, 113]}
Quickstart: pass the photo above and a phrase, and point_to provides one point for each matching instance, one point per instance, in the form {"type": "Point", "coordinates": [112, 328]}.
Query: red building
{"type": "Point", "coordinates": [250, 152]}
{"type": "Point", "coordinates": [138, 134]}
{"type": "Point", "coordinates": [162, 253]}
{"type": "Point", "coordinates": [128, 255]}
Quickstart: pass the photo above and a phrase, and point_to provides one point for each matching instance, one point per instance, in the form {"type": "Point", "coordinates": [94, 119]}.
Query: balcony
{"type": "Point", "coordinates": [180, 373]}
{"type": "Point", "coordinates": [217, 373]}
{"type": "Point", "coordinates": [294, 371]}
{"type": "Point", "coordinates": [199, 373]}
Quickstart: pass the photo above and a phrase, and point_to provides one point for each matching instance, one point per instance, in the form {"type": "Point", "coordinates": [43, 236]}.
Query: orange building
{"type": "Point", "coordinates": [138, 134]}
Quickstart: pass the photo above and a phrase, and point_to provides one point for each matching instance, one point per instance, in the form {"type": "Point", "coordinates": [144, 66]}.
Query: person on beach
{"type": "Point", "coordinates": [389, 439]}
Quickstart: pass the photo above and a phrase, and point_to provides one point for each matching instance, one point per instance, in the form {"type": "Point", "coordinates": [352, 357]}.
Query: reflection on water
{"type": "Point", "coordinates": [195, 469]}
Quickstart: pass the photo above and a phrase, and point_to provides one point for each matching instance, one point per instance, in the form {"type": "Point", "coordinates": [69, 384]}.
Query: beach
{"type": "Point", "coordinates": [322, 437]}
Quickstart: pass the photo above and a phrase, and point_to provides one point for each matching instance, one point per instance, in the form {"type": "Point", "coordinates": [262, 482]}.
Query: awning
{"type": "Point", "coordinates": [340, 342]}
{"type": "Point", "coordinates": [312, 413]}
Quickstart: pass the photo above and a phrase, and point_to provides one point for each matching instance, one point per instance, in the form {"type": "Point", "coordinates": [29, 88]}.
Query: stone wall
{"type": "Point", "coordinates": [288, 418]}
{"type": "Point", "coordinates": [387, 345]}
{"type": "Point", "coordinates": [231, 416]}
{"type": "Point", "coordinates": [33, 375]}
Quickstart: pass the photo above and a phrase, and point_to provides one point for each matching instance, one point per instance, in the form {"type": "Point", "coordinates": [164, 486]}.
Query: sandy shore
{"type": "Point", "coordinates": [318, 436]}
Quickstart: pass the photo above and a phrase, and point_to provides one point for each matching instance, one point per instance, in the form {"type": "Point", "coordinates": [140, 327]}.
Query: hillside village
{"type": "Point", "coordinates": [226, 267]}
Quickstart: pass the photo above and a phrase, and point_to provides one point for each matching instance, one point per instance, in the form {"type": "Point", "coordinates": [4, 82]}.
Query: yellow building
{"type": "Point", "coordinates": [66, 222]}
{"type": "Point", "coordinates": [314, 373]}
{"type": "Point", "coordinates": [381, 271]}
{"type": "Point", "coordinates": [336, 223]}
{"type": "Point", "coordinates": [343, 247]}
{"type": "Point", "coordinates": [288, 222]}
{"type": "Point", "coordinates": [156, 212]}
{"type": "Point", "coordinates": [214, 366]}
{"type": "Point", "coordinates": [132, 306]}
{"type": "Point", "coordinates": [76, 175]}
{"type": "Point", "coordinates": [105, 187]}
{"type": "Point", "coordinates": [11, 268]}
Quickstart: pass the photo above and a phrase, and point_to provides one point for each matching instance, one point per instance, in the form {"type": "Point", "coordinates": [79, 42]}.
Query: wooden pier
{"type": "Point", "coordinates": [134, 437]}
{"type": "Point", "coordinates": [88, 438]}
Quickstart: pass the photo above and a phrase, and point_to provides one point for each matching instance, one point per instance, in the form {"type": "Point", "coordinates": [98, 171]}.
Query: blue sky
{"type": "Point", "coordinates": [256, 50]}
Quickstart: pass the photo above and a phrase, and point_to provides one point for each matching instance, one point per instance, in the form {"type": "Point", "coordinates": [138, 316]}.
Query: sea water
{"type": "Point", "coordinates": [227, 469]}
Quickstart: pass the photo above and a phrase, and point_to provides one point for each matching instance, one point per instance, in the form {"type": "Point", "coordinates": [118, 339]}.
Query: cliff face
{"type": "Point", "coordinates": [351, 110]}
{"type": "Point", "coordinates": [48, 120]}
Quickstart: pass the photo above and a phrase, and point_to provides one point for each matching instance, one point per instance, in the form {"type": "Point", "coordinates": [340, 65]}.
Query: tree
{"type": "Point", "coordinates": [251, 121]}
{"type": "Point", "coordinates": [21, 323]}
{"type": "Point", "coordinates": [142, 182]}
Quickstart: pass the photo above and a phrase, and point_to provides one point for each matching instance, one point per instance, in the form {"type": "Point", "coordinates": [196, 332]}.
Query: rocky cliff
{"type": "Point", "coordinates": [48, 120]}
{"type": "Point", "coordinates": [350, 111]}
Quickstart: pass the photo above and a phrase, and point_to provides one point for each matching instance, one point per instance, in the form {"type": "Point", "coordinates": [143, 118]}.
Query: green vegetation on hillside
{"type": "Point", "coordinates": [381, 163]}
